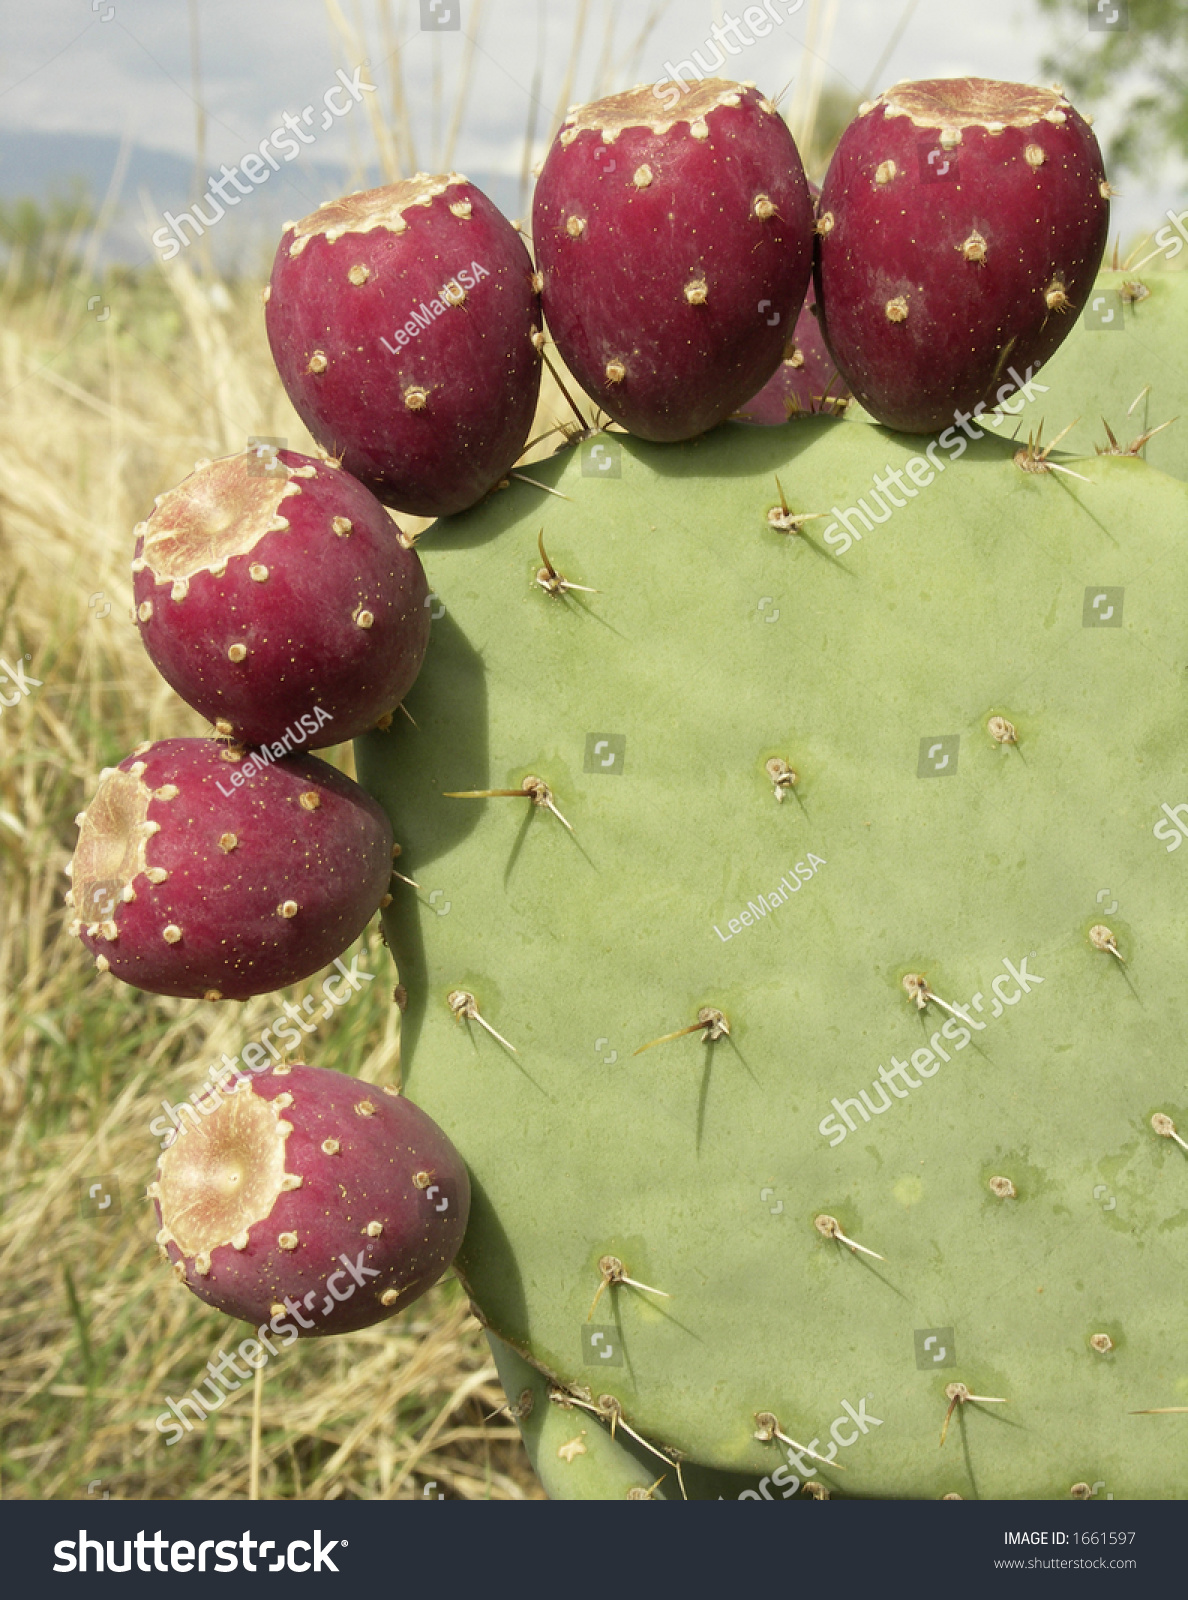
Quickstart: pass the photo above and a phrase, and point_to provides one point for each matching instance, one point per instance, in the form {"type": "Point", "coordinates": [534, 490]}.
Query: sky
{"type": "Point", "coordinates": [124, 70]}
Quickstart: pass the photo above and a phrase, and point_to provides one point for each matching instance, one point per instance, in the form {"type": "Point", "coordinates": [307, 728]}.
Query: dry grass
{"type": "Point", "coordinates": [95, 1334]}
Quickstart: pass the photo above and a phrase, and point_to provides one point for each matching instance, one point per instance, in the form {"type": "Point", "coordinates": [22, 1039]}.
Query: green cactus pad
{"type": "Point", "coordinates": [1120, 345]}
{"type": "Point", "coordinates": [912, 842]}
{"type": "Point", "coordinates": [573, 1455]}
{"type": "Point", "coordinates": [577, 1458]}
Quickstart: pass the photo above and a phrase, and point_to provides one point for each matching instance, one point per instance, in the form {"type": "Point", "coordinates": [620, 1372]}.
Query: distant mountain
{"type": "Point", "coordinates": [156, 181]}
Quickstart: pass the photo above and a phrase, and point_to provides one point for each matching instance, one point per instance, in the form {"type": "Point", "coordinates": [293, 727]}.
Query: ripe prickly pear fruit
{"type": "Point", "coordinates": [306, 1194]}
{"type": "Point", "coordinates": [675, 248]}
{"type": "Point", "coordinates": [962, 222]}
{"type": "Point", "coordinates": [806, 383]}
{"type": "Point", "coordinates": [269, 595]}
{"type": "Point", "coordinates": [404, 323]}
{"type": "Point", "coordinates": [204, 871]}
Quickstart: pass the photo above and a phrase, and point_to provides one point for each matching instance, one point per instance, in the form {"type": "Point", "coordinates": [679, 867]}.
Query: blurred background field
{"type": "Point", "coordinates": [114, 379]}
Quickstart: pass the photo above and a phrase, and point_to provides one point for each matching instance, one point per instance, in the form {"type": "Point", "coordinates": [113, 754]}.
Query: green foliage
{"type": "Point", "coordinates": [715, 643]}
{"type": "Point", "coordinates": [836, 109]}
{"type": "Point", "coordinates": [1150, 56]}
{"type": "Point", "coordinates": [39, 239]}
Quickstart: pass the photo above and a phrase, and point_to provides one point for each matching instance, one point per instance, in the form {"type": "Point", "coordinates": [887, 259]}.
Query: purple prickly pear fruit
{"type": "Point", "coordinates": [305, 1201]}
{"type": "Point", "coordinates": [405, 325]}
{"type": "Point", "coordinates": [675, 247]}
{"type": "Point", "coordinates": [206, 871]}
{"type": "Point", "coordinates": [806, 383]}
{"type": "Point", "coordinates": [266, 594]}
{"type": "Point", "coordinates": [961, 224]}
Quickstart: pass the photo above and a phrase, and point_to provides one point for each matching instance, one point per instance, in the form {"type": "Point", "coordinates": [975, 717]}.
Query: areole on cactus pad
{"type": "Point", "coordinates": [1121, 370]}
{"type": "Point", "coordinates": [806, 1078]}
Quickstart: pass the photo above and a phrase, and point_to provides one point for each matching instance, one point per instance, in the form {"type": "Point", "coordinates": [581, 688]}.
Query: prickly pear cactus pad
{"type": "Point", "coordinates": [1124, 367]}
{"type": "Point", "coordinates": [870, 829]}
